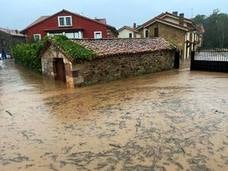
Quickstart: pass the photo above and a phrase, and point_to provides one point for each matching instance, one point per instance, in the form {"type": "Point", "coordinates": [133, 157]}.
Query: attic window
{"type": "Point", "coordinates": [65, 21]}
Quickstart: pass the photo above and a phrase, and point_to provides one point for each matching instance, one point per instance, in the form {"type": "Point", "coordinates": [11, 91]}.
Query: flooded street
{"type": "Point", "coordinates": [174, 120]}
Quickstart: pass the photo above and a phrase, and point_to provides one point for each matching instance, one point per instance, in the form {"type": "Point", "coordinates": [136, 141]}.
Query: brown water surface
{"type": "Point", "coordinates": [175, 120]}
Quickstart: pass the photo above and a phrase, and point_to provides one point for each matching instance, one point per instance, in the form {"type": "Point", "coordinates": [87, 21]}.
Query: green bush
{"type": "Point", "coordinates": [27, 54]}
{"type": "Point", "coordinates": [73, 49]}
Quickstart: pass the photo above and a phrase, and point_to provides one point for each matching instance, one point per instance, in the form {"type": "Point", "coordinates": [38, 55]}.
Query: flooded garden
{"type": "Point", "coordinates": [173, 120]}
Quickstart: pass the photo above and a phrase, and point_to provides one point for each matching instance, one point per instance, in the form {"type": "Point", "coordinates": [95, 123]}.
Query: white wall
{"type": "Point", "coordinates": [125, 34]}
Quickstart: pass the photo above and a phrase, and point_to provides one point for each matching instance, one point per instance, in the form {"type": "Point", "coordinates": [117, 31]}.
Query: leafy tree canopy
{"type": "Point", "coordinates": [216, 29]}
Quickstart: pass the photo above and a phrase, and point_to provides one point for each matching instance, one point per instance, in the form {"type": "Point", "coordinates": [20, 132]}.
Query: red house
{"type": "Point", "coordinates": [73, 26]}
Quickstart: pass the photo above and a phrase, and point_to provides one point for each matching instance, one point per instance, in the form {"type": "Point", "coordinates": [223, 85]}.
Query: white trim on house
{"type": "Point", "coordinates": [175, 17]}
{"type": "Point", "coordinates": [144, 33]}
{"type": "Point", "coordinates": [69, 35]}
{"type": "Point", "coordinates": [96, 33]}
{"type": "Point", "coordinates": [35, 36]}
{"type": "Point", "coordinates": [163, 22]}
{"type": "Point", "coordinates": [65, 21]}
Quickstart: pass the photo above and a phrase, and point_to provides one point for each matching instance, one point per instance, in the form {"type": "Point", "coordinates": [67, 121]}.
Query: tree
{"type": "Point", "coordinates": [216, 29]}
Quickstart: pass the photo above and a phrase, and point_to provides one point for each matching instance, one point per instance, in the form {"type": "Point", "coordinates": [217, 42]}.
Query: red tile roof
{"type": "Point", "coordinates": [111, 47]}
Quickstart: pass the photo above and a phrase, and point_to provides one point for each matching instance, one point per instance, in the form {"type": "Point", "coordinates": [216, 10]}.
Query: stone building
{"type": "Point", "coordinates": [9, 38]}
{"type": "Point", "coordinates": [182, 32]}
{"type": "Point", "coordinates": [114, 59]}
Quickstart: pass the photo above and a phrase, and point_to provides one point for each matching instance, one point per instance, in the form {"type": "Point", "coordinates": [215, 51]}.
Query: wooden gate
{"type": "Point", "coordinates": [59, 69]}
{"type": "Point", "coordinates": [210, 60]}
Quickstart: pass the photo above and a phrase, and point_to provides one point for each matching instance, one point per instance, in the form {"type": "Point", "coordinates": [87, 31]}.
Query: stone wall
{"type": "Point", "coordinates": [116, 67]}
{"type": "Point", "coordinates": [8, 41]}
{"type": "Point", "coordinates": [171, 34]}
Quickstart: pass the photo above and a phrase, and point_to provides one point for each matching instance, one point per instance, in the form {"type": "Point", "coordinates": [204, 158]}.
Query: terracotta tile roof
{"type": "Point", "coordinates": [110, 47]}
{"type": "Point", "coordinates": [160, 18]}
{"type": "Point", "coordinates": [152, 21]}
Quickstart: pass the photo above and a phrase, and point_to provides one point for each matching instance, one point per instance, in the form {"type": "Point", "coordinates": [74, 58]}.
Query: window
{"type": "Point", "coordinates": [65, 21]}
{"type": "Point", "coordinates": [156, 32]}
{"type": "Point", "coordinates": [97, 35]}
{"type": "Point", "coordinates": [130, 35]}
{"type": "Point", "coordinates": [69, 35]}
{"type": "Point", "coordinates": [36, 37]}
{"type": "Point", "coordinates": [78, 35]}
{"type": "Point", "coordinates": [146, 33]}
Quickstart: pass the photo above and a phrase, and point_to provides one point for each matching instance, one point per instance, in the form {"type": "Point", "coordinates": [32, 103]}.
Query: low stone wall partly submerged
{"type": "Point", "coordinates": [116, 67]}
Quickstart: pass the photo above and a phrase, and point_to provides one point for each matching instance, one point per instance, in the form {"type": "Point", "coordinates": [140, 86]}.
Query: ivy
{"type": "Point", "coordinates": [27, 54]}
{"type": "Point", "coordinates": [73, 49]}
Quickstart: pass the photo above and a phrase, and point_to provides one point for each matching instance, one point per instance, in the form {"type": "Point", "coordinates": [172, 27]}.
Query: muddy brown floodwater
{"type": "Point", "coordinates": [175, 120]}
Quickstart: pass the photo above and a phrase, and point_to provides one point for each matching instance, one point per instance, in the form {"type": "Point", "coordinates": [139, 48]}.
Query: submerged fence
{"type": "Point", "coordinates": [210, 60]}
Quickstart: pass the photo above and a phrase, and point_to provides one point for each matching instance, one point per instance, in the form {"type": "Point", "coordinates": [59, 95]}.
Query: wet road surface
{"type": "Point", "coordinates": [165, 121]}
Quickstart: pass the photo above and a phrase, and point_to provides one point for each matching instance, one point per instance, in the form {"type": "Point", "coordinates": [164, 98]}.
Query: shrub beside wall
{"type": "Point", "coordinates": [27, 54]}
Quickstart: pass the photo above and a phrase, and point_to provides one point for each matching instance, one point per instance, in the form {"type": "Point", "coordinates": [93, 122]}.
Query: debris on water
{"type": "Point", "coordinates": [9, 113]}
{"type": "Point", "coordinates": [114, 145]}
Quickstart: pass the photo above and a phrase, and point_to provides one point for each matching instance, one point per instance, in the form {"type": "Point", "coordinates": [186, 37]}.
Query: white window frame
{"type": "Point", "coordinates": [34, 35]}
{"type": "Point", "coordinates": [98, 32]}
{"type": "Point", "coordinates": [64, 17]}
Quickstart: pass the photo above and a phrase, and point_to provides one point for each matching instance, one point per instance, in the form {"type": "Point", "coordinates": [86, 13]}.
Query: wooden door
{"type": "Point", "coordinates": [59, 68]}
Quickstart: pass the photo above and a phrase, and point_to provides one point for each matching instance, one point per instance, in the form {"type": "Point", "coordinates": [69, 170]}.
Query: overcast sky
{"type": "Point", "coordinates": [17, 14]}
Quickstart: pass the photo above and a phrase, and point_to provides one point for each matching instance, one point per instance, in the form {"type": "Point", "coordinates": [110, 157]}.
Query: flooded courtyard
{"type": "Point", "coordinates": [174, 120]}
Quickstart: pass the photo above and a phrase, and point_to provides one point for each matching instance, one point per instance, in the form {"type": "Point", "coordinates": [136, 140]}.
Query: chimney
{"type": "Point", "coordinates": [134, 25]}
{"type": "Point", "coordinates": [175, 13]}
{"type": "Point", "coordinates": [181, 15]}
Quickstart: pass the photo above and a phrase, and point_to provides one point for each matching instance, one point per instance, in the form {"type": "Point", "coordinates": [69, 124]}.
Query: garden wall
{"type": "Point", "coordinates": [116, 67]}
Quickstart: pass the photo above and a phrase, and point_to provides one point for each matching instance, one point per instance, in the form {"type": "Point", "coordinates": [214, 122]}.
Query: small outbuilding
{"type": "Point", "coordinates": [106, 59]}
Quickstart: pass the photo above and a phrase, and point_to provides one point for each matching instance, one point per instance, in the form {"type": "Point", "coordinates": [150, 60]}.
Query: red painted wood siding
{"type": "Point", "coordinates": [77, 21]}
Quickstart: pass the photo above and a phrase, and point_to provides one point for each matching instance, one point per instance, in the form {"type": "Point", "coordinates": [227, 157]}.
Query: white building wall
{"type": "Point", "coordinates": [125, 34]}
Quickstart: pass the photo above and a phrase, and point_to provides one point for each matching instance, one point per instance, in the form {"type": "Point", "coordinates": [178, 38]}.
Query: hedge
{"type": "Point", "coordinates": [27, 54]}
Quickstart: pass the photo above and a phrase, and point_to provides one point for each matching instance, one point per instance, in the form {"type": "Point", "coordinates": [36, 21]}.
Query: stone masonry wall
{"type": "Point", "coordinates": [116, 67]}
{"type": "Point", "coordinates": [173, 35]}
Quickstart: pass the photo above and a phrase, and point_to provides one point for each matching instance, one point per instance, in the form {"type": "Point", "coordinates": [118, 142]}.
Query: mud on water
{"type": "Point", "coordinates": [175, 120]}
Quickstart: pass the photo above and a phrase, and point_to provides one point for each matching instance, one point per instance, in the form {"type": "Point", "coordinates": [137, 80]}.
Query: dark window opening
{"type": "Point", "coordinates": [156, 32]}
{"type": "Point", "coordinates": [146, 33]}
{"type": "Point", "coordinates": [130, 35]}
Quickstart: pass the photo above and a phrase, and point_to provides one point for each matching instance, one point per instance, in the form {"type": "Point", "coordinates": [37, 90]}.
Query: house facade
{"type": "Point", "coordinates": [73, 26]}
{"type": "Point", "coordinates": [177, 29]}
{"type": "Point", "coordinates": [128, 32]}
{"type": "Point", "coordinates": [9, 38]}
